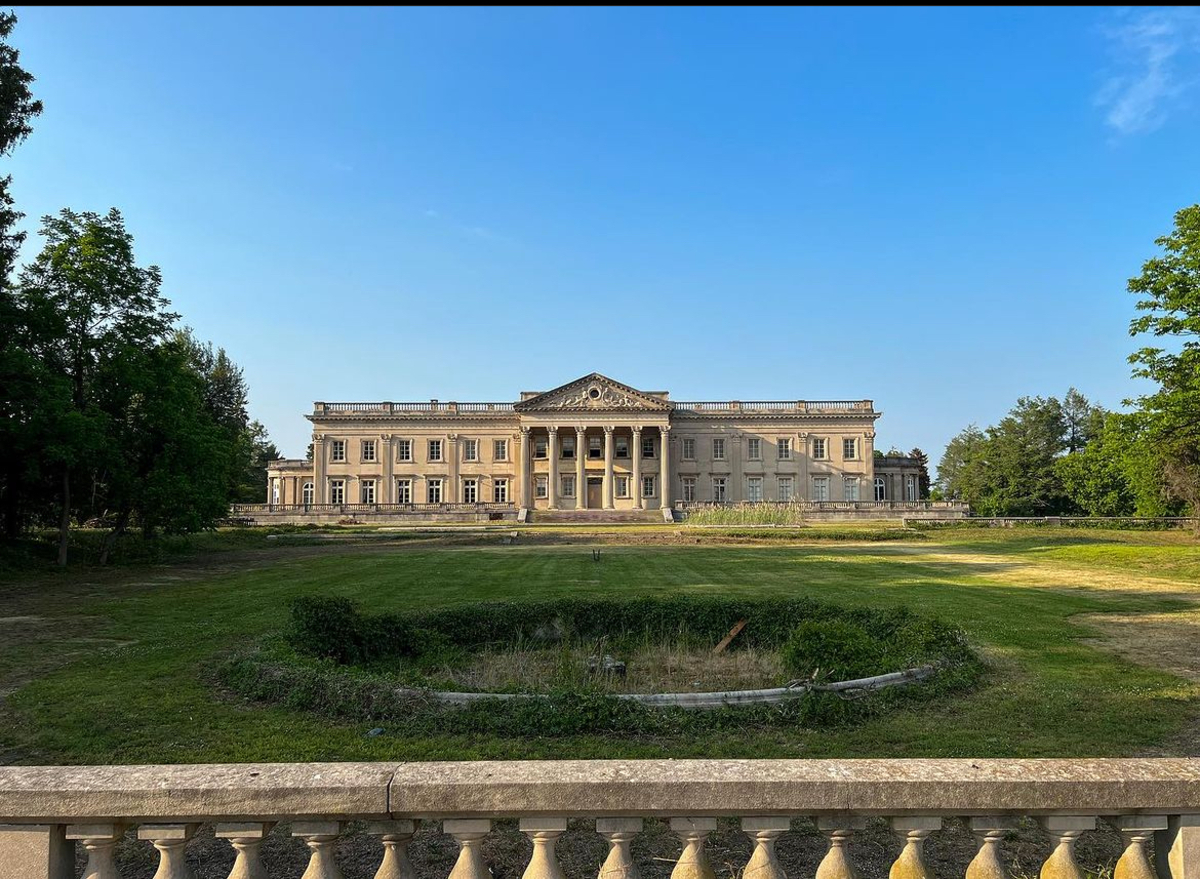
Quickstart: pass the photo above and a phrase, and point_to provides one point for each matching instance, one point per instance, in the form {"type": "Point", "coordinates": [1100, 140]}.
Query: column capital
{"type": "Point", "coordinates": [665, 428]}
{"type": "Point", "coordinates": [525, 429]}
{"type": "Point", "coordinates": [552, 428]}
{"type": "Point", "coordinates": [581, 429]}
{"type": "Point", "coordinates": [608, 430]}
{"type": "Point", "coordinates": [318, 438]}
{"type": "Point", "coordinates": [452, 437]}
{"type": "Point", "coordinates": [637, 429]}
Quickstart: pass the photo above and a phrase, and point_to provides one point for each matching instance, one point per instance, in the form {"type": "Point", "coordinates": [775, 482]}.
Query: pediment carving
{"type": "Point", "coordinates": [592, 392]}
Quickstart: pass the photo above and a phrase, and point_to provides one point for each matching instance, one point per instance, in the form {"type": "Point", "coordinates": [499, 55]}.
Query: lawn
{"type": "Point", "coordinates": [1087, 635]}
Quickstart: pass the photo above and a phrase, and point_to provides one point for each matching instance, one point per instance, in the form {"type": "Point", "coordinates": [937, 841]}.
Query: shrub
{"type": "Point", "coordinates": [835, 649]}
{"type": "Point", "coordinates": [332, 628]}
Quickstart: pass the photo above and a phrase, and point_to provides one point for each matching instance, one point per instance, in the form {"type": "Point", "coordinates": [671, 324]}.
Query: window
{"type": "Point", "coordinates": [622, 486]}
{"type": "Point", "coordinates": [500, 451]}
{"type": "Point", "coordinates": [785, 489]}
{"type": "Point", "coordinates": [568, 486]}
{"type": "Point", "coordinates": [274, 491]}
{"type": "Point", "coordinates": [648, 447]}
{"type": "Point", "coordinates": [689, 449]}
{"type": "Point", "coordinates": [849, 449]}
{"type": "Point", "coordinates": [719, 489]}
{"type": "Point", "coordinates": [595, 447]}
{"type": "Point", "coordinates": [820, 490]}
{"type": "Point", "coordinates": [539, 486]}
{"type": "Point", "coordinates": [849, 488]}
{"type": "Point", "coordinates": [785, 449]}
{"type": "Point", "coordinates": [470, 450]}
{"type": "Point", "coordinates": [568, 447]}
{"type": "Point", "coordinates": [689, 488]}
{"type": "Point", "coordinates": [910, 488]}
{"type": "Point", "coordinates": [403, 450]}
{"type": "Point", "coordinates": [754, 489]}
{"type": "Point", "coordinates": [500, 491]}
{"type": "Point", "coordinates": [435, 450]}
{"type": "Point", "coordinates": [404, 491]}
{"type": "Point", "coordinates": [338, 451]}
{"type": "Point", "coordinates": [622, 444]}
{"type": "Point", "coordinates": [433, 491]}
{"type": "Point", "coordinates": [337, 491]}
{"type": "Point", "coordinates": [647, 486]}
{"type": "Point", "coordinates": [368, 450]}
{"type": "Point", "coordinates": [754, 448]}
{"type": "Point", "coordinates": [366, 491]}
{"type": "Point", "coordinates": [880, 489]}
{"type": "Point", "coordinates": [718, 450]}
{"type": "Point", "coordinates": [819, 448]}
{"type": "Point", "coordinates": [470, 491]}
{"type": "Point", "coordinates": [539, 447]}
{"type": "Point", "coordinates": [307, 493]}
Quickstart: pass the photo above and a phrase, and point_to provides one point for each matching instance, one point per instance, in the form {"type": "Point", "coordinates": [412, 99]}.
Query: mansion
{"type": "Point", "coordinates": [593, 444]}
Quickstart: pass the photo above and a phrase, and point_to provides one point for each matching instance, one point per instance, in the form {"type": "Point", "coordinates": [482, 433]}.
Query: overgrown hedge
{"type": "Point", "coordinates": [334, 628]}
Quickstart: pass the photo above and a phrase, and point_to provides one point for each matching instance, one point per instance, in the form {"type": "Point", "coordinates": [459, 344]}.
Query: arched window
{"type": "Point", "coordinates": [307, 493]}
{"type": "Point", "coordinates": [910, 488]}
{"type": "Point", "coordinates": [880, 489]}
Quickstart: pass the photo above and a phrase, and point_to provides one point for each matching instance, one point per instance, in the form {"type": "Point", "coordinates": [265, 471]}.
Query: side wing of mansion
{"type": "Point", "coordinates": [593, 444]}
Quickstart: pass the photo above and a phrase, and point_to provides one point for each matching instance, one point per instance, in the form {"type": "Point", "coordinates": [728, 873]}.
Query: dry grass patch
{"type": "Point", "coordinates": [1166, 641]}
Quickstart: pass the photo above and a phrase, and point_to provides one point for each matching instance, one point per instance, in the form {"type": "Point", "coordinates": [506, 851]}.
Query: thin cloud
{"type": "Point", "coordinates": [1157, 59]}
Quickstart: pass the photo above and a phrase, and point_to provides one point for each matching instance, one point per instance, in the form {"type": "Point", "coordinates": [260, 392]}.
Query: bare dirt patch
{"type": "Point", "coordinates": [1166, 641]}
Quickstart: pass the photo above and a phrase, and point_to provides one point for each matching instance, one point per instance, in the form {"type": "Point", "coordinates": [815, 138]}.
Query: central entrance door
{"type": "Point", "coordinates": [595, 492]}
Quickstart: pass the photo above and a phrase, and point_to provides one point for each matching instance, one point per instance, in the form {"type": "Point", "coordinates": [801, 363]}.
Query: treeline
{"type": "Point", "coordinates": [112, 414]}
{"type": "Point", "coordinates": [1058, 457]}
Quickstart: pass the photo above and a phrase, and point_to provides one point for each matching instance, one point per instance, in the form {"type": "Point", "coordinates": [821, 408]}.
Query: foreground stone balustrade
{"type": "Point", "coordinates": [46, 811]}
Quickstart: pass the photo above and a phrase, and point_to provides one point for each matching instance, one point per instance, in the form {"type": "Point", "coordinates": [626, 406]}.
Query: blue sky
{"type": "Point", "coordinates": [935, 209]}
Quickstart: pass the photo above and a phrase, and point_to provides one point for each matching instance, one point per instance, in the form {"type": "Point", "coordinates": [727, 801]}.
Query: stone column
{"type": "Point", "coordinates": [636, 454]}
{"type": "Point", "coordinates": [801, 492]}
{"type": "Point", "coordinates": [320, 489]}
{"type": "Point", "coordinates": [552, 455]}
{"type": "Point", "coordinates": [664, 490]}
{"type": "Point", "coordinates": [989, 832]}
{"type": "Point", "coordinates": [388, 495]}
{"type": "Point", "coordinates": [1064, 830]}
{"type": "Point", "coordinates": [619, 832]}
{"type": "Point", "coordinates": [524, 472]}
{"type": "Point", "coordinates": [455, 491]}
{"type": "Point", "coordinates": [246, 840]}
{"type": "Point", "coordinates": [580, 469]}
{"type": "Point", "coordinates": [170, 840]}
{"type": "Point", "coordinates": [764, 831]}
{"type": "Point", "coordinates": [608, 467]}
{"type": "Point", "coordinates": [1177, 849]}
{"type": "Point", "coordinates": [1137, 830]}
{"type": "Point", "coordinates": [911, 862]}
{"type": "Point", "coordinates": [543, 831]}
{"type": "Point", "coordinates": [100, 842]}
{"type": "Point", "coordinates": [737, 475]}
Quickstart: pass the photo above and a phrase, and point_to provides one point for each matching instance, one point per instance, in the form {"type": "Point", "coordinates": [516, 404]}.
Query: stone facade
{"type": "Point", "coordinates": [592, 444]}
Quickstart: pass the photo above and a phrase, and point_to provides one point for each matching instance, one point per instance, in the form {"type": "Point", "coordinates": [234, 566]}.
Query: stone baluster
{"type": "Point", "coordinates": [764, 831]}
{"type": "Point", "coordinates": [321, 838]}
{"type": "Point", "coordinates": [100, 842]}
{"type": "Point", "coordinates": [1177, 849]}
{"type": "Point", "coordinates": [989, 832]}
{"type": "Point", "coordinates": [170, 840]}
{"type": "Point", "coordinates": [1064, 830]}
{"type": "Point", "coordinates": [1137, 830]}
{"type": "Point", "coordinates": [469, 833]}
{"type": "Point", "coordinates": [693, 860]}
{"type": "Point", "coordinates": [837, 864]}
{"type": "Point", "coordinates": [911, 862]}
{"type": "Point", "coordinates": [619, 832]}
{"type": "Point", "coordinates": [543, 832]}
{"type": "Point", "coordinates": [395, 836]}
{"type": "Point", "coordinates": [246, 840]}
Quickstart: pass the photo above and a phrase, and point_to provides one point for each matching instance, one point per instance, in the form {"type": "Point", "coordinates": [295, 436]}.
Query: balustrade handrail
{"type": "Point", "coordinates": [773, 405]}
{"type": "Point", "coordinates": [590, 788]}
{"type": "Point", "coordinates": [45, 809]}
{"type": "Point", "coordinates": [427, 406]}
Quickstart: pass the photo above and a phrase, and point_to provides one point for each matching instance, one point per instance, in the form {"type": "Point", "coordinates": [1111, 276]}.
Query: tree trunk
{"type": "Point", "coordinates": [64, 526]}
{"type": "Point", "coordinates": [110, 539]}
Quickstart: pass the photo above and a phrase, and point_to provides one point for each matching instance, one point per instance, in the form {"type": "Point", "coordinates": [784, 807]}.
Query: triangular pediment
{"type": "Point", "coordinates": [592, 392]}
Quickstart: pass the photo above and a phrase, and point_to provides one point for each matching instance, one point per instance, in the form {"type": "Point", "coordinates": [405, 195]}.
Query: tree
{"type": "Point", "coordinates": [1081, 419]}
{"type": "Point", "coordinates": [960, 470]}
{"type": "Point", "coordinates": [17, 110]}
{"type": "Point", "coordinates": [1169, 287]}
{"type": "Point", "coordinates": [94, 312]}
{"type": "Point", "coordinates": [923, 477]}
